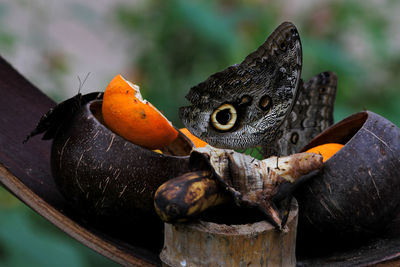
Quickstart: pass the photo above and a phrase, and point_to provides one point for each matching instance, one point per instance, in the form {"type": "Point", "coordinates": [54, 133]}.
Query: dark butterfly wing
{"type": "Point", "coordinates": [312, 114]}
{"type": "Point", "coordinates": [259, 93]}
{"type": "Point", "coordinates": [275, 44]}
{"type": "Point", "coordinates": [51, 122]}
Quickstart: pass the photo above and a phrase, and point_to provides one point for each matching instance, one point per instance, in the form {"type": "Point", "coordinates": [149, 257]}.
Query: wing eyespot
{"type": "Point", "coordinates": [224, 117]}
{"type": "Point", "coordinates": [265, 103]}
{"type": "Point", "coordinates": [245, 100]}
{"type": "Point", "coordinates": [294, 138]}
{"type": "Point", "coordinates": [282, 46]}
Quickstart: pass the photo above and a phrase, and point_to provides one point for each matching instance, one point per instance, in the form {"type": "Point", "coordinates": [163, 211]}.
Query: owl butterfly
{"type": "Point", "coordinates": [262, 101]}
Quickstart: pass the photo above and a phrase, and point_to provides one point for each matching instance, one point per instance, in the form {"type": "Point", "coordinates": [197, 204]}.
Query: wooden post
{"type": "Point", "coordinates": [211, 244]}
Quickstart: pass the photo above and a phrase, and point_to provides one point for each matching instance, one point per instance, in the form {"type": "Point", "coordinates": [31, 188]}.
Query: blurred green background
{"type": "Point", "coordinates": [168, 46]}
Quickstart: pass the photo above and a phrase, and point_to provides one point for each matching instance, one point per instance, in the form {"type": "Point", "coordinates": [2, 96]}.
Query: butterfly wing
{"type": "Point", "coordinates": [245, 104]}
{"type": "Point", "coordinates": [312, 114]}
{"type": "Point", "coordinates": [51, 122]}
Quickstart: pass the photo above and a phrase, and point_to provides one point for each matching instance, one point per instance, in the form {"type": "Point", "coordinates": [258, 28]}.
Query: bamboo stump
{"type": "Point", "coordinates": [210, 244]}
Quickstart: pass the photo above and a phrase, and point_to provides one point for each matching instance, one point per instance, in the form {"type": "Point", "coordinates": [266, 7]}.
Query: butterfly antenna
{"type": "Point", "coordinates": [78, 97]}
{"type": "Point", "coordinates": [81, 83]}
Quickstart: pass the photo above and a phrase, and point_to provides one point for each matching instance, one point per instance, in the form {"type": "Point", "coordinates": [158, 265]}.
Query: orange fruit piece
{"type": "Point", "coordinates": [326, 150]}
{"type": "Point", "coordinates": [196, 141]}
{"type": "Point", "coordinates": [137, 120]}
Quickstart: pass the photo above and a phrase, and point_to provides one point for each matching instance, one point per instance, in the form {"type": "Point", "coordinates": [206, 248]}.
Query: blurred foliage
{"type": "Point", "coordinates": [7, 39]}
{"type": "Point", "coordinates": [183, 42]}
{"type": "Point", "coordinates": [177, 44]}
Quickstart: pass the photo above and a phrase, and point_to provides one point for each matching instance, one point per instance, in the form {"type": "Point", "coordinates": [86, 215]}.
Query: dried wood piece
{"type": "Point", "coordinates": [211, 244]}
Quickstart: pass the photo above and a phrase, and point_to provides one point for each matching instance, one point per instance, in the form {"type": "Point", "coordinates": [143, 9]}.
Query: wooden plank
{"type": "Point", "coordinates": [117, 251]}
{"type": "Point", "coordinates": [25, 170]}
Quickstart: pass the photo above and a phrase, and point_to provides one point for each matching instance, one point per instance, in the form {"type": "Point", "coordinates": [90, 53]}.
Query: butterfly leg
{"type": "Point", "coordinates": [284, 209]}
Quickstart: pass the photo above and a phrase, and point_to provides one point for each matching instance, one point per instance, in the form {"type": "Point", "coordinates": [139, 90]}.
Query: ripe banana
{"type": "Point", "coordinates": [186, 196]}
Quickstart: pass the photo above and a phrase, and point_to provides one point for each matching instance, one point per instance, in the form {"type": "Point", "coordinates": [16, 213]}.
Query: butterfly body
{"type": "Point", "coordinates": [263, 103]}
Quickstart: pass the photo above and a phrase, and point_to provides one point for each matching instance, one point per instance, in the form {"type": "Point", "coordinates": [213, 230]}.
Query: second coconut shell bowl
{"type": "Point", "coordinates": [356, 195]}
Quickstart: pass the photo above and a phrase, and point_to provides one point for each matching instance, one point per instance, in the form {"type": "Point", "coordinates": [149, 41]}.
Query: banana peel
{"type": "Point", "coordinates": [223, 175]}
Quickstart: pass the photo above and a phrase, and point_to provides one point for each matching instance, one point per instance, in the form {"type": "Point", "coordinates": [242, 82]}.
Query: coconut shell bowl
{"type": "Point", "coordinates": [355, 194]}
